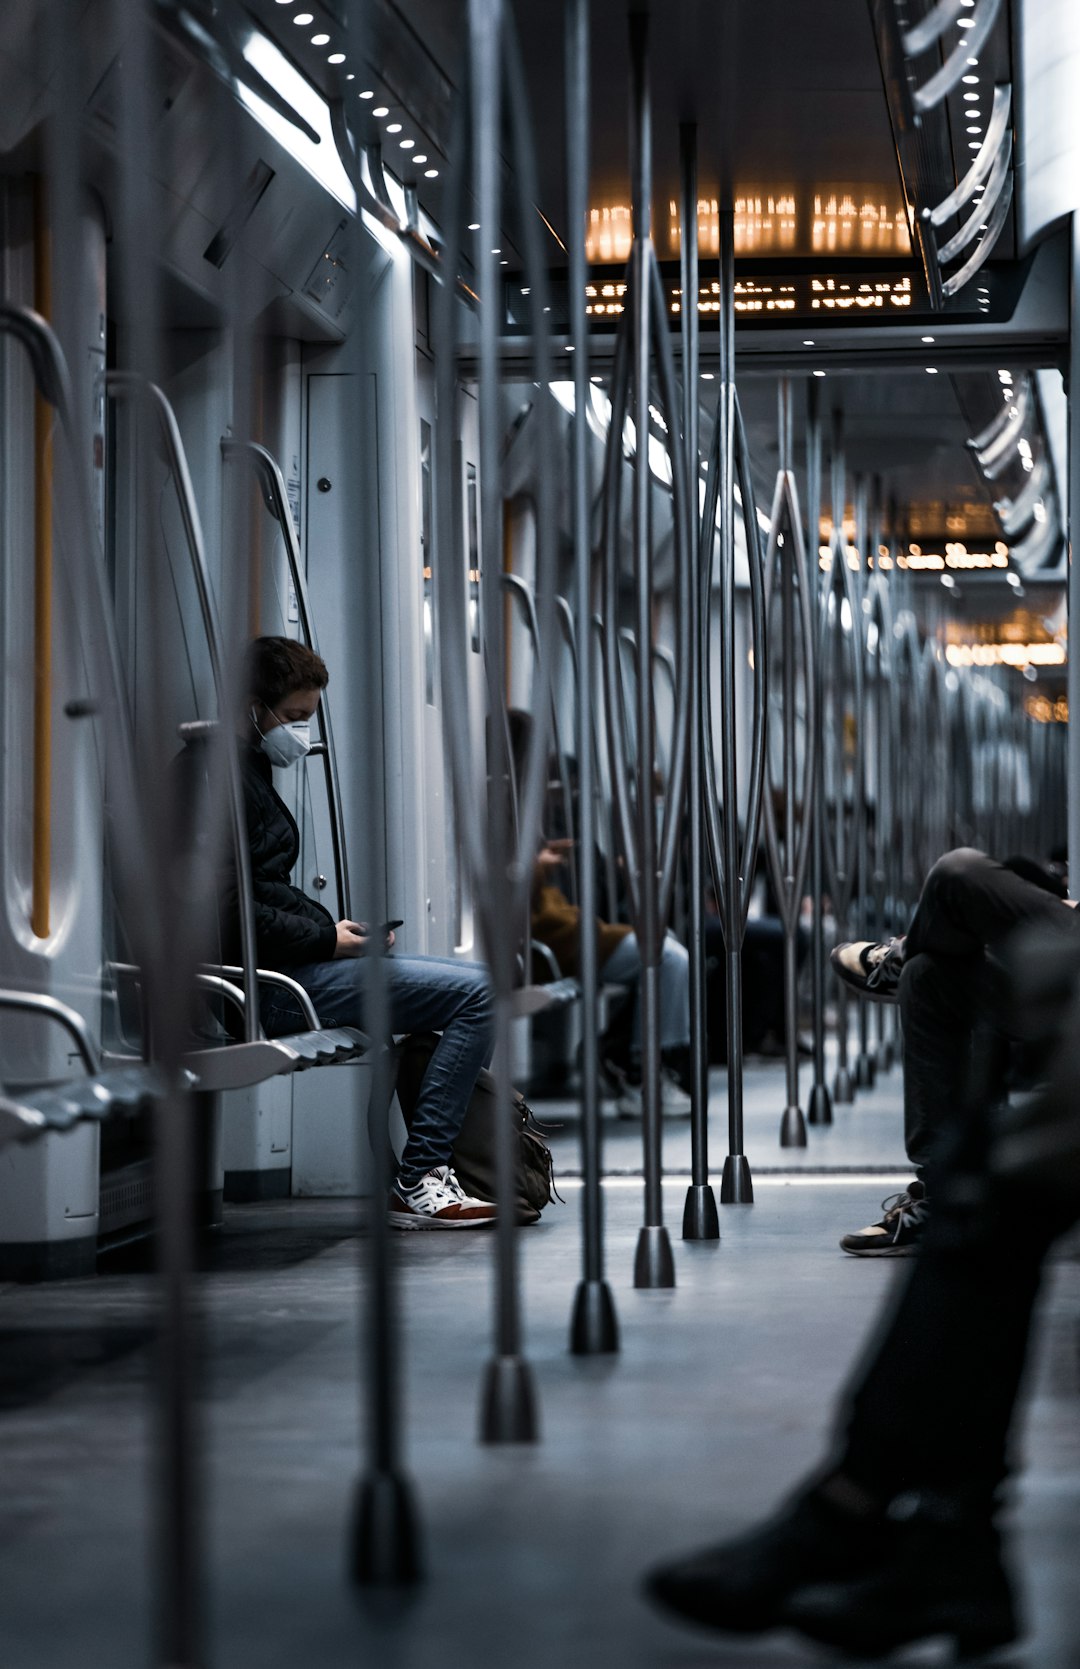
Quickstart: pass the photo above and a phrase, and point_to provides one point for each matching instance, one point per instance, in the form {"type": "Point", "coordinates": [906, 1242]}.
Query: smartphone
{"type": "Point", "coordinates": [385, 927]}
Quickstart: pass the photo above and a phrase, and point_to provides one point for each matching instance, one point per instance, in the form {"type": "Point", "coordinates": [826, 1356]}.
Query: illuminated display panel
{"type": "Point", "coordinates": [804, 290]}
{"type": "Point", "coordinates": [802, 295]}
{"type": "Point", "coordinates": [836, 219]}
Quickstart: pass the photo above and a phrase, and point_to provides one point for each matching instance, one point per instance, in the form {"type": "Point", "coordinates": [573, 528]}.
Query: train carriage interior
{"type": "Point", "coordinates": [336, 325]}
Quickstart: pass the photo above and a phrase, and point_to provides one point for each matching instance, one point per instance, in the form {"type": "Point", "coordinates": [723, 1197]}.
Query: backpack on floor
{"type": "Point", "coordinates": [473, 1155]}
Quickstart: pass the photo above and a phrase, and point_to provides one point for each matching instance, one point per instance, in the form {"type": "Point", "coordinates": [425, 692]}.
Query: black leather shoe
{"type": "Point", "coordinates": [942, 1578]}
{"type": "Point", "coordinates": [743, 1585]}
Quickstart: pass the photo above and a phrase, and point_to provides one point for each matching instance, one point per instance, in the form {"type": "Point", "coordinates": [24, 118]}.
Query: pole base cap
{"type": "Point", "coordinates": [594, 1328]}
{"type": "Point", "coordinates": [736, 1184]}
{"type": "Point", "coordinates": [843, 1089]}
{"type": "Point", "coordinates": [793, 1128]}
{"type": "Point", "coordinates": [700, 1220]}
{"type": "Point", "coordinates": [508, 1402]}
{"type": "Point", "coordinates": [384, 1547]}
{"type": "Point", "coordinates": [654, 1265]}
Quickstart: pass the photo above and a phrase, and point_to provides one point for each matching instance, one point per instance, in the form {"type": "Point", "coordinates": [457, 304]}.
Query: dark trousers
{"type": "Point", "coordinates": [969, 904]}
{"type": "Point", "coordinates": [932, 1405]}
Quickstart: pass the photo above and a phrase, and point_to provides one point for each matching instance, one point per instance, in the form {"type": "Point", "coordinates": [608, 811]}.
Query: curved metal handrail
{"type": "Point", "coordinates": [942, 83]}
{"type": "Point", "coordinates": [998, 215]}
{"type": "Point", "coordinates": [841, 835]}
{"type": "Point", "coordinates": [268, 472]}
{"type": "Point", "coordinates": [788, 863]}
{"type": "Point", "coordinates": [50, 1008]}
{"type": "Point", "coordinates": [977, 219]}
{"type": "Point", "coordinates": [747, 850]}
{"type": "Point", "coordinates": [910, 742]}
{"type": "Point", "coordinates": [129, 384]}
{"type": "Point", "coordinates": [1016, 513]}
{"type": "Point", "coordinates": [53, 382]}
{"type": "Point", "coordinates": [985, 157]}
{"type": "Point", "coordinates": [932, 27]}
{"type": "Point", "coordinates": [520, 594]}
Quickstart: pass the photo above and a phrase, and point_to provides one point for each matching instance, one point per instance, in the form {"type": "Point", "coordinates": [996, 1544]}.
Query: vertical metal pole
{"type": "Point", "coordinates": [700, 1217]}
{"type": "Point", "coordinates": [384, 1548]}
{"type": "Point", "coordinates": [843, 1087]}
{"type": "Point", "coordinates": [736, 1187]}
{"type": "Point", "coordinates": [508, 1405]}
{"type": "Point", "coordinates": [864, 1065]}
{"type": "Point", "coordinates": [594, 1327]}
{"type": "Point", "coordinates": [793, 1129]}
{"type": "Point", "coordinates": [819, 1110]}
{"type": "Point", "coordinates": [1073, 673]}
{"type": "Point", "coordinates": [177, 1506]}
{"type": "Point", "coordinates": [653, 1263]}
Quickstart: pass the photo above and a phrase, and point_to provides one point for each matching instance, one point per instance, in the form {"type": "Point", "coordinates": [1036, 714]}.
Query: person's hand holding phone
{"type": "Point", "coordinates": [354, 937]}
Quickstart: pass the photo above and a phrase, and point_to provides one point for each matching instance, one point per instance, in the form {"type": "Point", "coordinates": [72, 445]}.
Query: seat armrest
{"type": "Point", "coordinates": [547, 957]}
{"type": "Point", "coordinates": [270, 976]}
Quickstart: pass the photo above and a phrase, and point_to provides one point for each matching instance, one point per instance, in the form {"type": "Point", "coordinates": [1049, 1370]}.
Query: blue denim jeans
{"type": "Point", "coordinates": [426, 994]}
{"type": "Point", "coordinates": [623, 967]}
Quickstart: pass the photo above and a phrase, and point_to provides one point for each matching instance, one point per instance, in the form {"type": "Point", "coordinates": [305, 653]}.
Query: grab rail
{"type": "Point", "coordinates": [268, 473]}
{"type": "Point", "coordinates": [128, 384]}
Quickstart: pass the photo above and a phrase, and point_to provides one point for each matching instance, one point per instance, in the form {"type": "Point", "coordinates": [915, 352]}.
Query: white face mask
{"type": "Point", "coordinates": [286, 743]}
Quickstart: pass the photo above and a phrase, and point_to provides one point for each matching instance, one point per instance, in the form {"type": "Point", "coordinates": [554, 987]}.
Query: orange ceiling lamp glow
{"type": "Point", "coordinates": [1005, 654]}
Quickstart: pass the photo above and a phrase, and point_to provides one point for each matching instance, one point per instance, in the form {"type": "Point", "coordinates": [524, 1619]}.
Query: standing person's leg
{"type": "Point", "coordinates": [426, 993]}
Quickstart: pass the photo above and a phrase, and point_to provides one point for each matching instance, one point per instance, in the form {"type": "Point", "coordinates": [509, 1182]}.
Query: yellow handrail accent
{"type": "Point", "coordinates": [41, 883]}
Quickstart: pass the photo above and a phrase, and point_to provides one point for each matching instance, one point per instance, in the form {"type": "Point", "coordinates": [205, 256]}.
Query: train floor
{"type": "Point", "coordinates": [719, 1398]}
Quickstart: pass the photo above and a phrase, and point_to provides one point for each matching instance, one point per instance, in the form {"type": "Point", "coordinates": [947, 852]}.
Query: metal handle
{"type": "Point", "coordinates": [268, 473]}
{"type": "Point", "coordinates": [129, 384]}
{"type": "Point", "coordinates": [50, 1008]}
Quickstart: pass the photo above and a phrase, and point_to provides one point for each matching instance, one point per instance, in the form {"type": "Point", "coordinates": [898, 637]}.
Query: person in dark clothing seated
{"type": "Point", "coordinates": [943, 974]}
{"type": "Point", "coordinates": [895, 1539]}
{"type": "Point", "coordinates": [295, 935]}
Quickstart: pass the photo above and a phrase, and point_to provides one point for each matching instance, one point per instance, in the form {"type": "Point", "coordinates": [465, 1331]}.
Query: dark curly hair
{"type": "Point", "coordinates": [276, 666]}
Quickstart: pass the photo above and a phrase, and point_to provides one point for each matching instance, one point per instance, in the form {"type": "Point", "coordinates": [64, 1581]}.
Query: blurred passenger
{"type": "Point", "coordinates": [895, 1539]}
{"type": "Point", "coordinates": [556, 922]}
{"type": "Point", "coordinates": [943, 974]}
{"type": "Point", "coordinates": [295, 935]}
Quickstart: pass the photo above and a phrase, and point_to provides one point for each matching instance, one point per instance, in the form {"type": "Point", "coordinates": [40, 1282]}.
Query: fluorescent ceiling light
{"type": "Point", "coordinates": [321, 160]}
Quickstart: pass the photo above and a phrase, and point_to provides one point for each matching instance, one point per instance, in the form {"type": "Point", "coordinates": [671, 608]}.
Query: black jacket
{"type": "Point", "coordinates": [290, 927]}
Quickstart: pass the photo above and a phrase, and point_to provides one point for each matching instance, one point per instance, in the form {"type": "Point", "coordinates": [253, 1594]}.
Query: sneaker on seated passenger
{"type": "Point", "coordinates": [873, 970]}
{"type": "Point", "coordinates": [438, 1201]}
{"type": "Point", "coordinates": [899, 1231]}
{"type": "Point", "coordinates": [674, 1101]}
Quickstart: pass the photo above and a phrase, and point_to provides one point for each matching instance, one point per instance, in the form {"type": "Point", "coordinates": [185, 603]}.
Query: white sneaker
{"type": "Point", "coordinates": [674, 1101]}
{"type": "Point", "coordinates": [438, 1201]}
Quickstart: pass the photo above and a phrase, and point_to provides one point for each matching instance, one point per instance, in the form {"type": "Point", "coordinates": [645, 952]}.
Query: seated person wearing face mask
{"type": "Point", "coordinates": [295, 935]}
